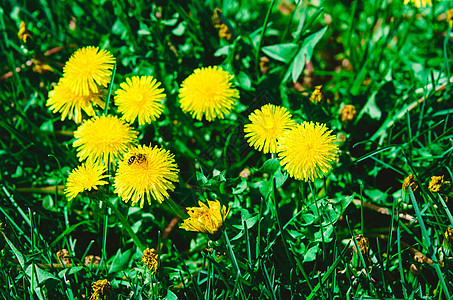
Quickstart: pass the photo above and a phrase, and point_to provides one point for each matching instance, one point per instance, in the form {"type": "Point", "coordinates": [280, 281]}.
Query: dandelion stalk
{"type": "Point", "coordinates": [274, 198]}
{"type": "Point", "coordinates": [126, 225]}
{"type": "Point", "coordinates": [260, 45]}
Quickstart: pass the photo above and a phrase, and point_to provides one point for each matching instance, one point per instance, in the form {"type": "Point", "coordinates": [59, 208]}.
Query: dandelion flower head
{"type": "Point", "coordinates": [268, 125]}
{"type": "Point", "coordinates": [205, 218]}
{"type": "Point", "coordinates": [104, 139]}
{"type": "Point", "coordinates": [140, 97]}
{"type": "Point", "coordinates": [145, 173]}
{"type": "Point", "coordinates": [208, 92]}
{"type": "Point", "coordinates": [87, 69]}
{"type": "Point", "coordinates": [84, 178]}
{"type": "Point", "coordinates": [63, 99]}
{"type": "Point", "coordinates": [307, 151]}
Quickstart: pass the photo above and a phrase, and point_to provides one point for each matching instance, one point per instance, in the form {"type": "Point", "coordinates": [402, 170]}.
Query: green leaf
{"type": "Point", "coordinates": [171, 296]}
{"type": "Point", "coordinates": [120, 261]}
{"type": "Point", "coordinates": [240, 187]}
{"type": "Point", "coordinates": [305, 53]}
{"type": "Point", "coordinates": [371, 108]}
{"type": "Point", "coordinates": [118, 27]}
{"type": "Point", "coordinates": [70, 271]}
{"type": "Point", "coordinates": [281, 52]}
{"type": "Point", "coordinates": [16, 252]}
{"type": "Point", "coordinates": [34, 272]}
{"type": "Point", "coordinates": [244, 80]}
{"type": "Point", "coordinates": [179, 30]}
{"type": "Point", "coordinates": [280, 177]}
{"type": "Point", "coordinates": [310, 255]}
{"type": "Point", "coordinates": [270, 166]}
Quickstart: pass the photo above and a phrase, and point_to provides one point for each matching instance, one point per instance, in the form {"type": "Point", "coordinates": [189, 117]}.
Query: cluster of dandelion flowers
{"type": "Point", "coordinates": [146, 172]}
{"type": "Point", "coordinates": [87, 69]}
{"type": "Point", "coordinates": [206, 218]}
{"type": "Point", "coordinates": [268, 125]}
{"type": "Point", "coordinates": [104, 139]}
{"type": "Point", "coordinates": [209, 92]}
{"type": "Point", "coordinates": [85, 178]}
{"type": "Point", "coordinates": [63, 99]}
{"type": "Point", "coordinates": [307, 151]}
{"type": "Point", "coordinates": [140, 97]}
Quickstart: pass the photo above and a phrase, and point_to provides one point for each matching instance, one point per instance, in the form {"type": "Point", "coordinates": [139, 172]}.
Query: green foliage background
{"type": "Point", "coordinates": [391, 61]}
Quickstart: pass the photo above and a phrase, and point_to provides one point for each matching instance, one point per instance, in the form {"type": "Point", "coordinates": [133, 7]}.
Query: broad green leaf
{"type": "Point", "coordinates": [171, 296]}
{"type": "Point", "coordinates": [281, 52]}
{"type": "Point", "coordinates": [34, 272]}
{"type": "Point", "coordinates": [371, 108]}
{"type": "Point", "coordinates": [270, 166]}
{"type": "Point", "coordinates": [120, 261]}
{"type": "Point", "coordinates": [244, 80]}
{"type": "Point", "coordinates": [240, 187]}
{"type": "Point", "coordinates": [305, 53]}
{"type": "Point", "coordinates": [310, 255]}
{"type": "Point", "coordinates": [16, 252]}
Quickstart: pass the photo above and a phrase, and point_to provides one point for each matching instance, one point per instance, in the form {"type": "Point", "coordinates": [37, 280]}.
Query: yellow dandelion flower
{"type": "Point", "coordinates": [419, 3]}
{"type": "Point", "coordinates": [409, 181]}
{"type": "Point", "coordinates": [24, 34]}
{"type": "Point", "coordinates": [101, 289]}
{"type": "Point", "coordinates": [84, 178]}
{"type": "Point", "coordinates": [63, 99]}
{"type": "Point", "coordinates": [208, 92]}
{"type": "Point", "coordinates": [149, 258]}
{"type": "Point", "coordinates": [206, 218]}
{"type": "Point", "coordinates": [268, 124]}
{"type": "Point", "coordinates": [87, 69]}
{"type": "Point", "coordinates": [307, 151]}
{"type": "Point", "coordinates": [146, 173]}
{"type": "Point", "coordinates": [104, 139]}
{"type": "Point", "coordinates": [140, 98]}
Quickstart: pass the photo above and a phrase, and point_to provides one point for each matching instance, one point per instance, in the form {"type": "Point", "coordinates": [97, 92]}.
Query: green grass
{"type": "Point", "coordinates": [283, 239]}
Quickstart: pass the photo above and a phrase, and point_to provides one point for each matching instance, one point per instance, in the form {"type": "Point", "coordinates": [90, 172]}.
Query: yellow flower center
{"type": "Point", "coordinates": [268, 122]}
{"type": "Point", "coordinates": [139, 97]}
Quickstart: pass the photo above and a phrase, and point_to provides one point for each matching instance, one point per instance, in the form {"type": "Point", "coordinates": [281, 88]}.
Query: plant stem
{"type": "Point", "coordinates": [257, 55]}
{"type": "Point", "coordinates": [126, 225]}
{"type": "Point", "coordinates": [107, 100]}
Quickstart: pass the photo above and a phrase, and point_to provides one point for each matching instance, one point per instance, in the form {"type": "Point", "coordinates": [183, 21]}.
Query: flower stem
{"type": "Point", "coordinates": [107, 100]}
{"type": "Point", "coordinates": [274, 189]}
{"type": "Point", "coordinates": [260, 45]}
{"type": "Point", "coordinates": [126, 225]}
{"type": "Point", "coordinates": [175, 208]}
